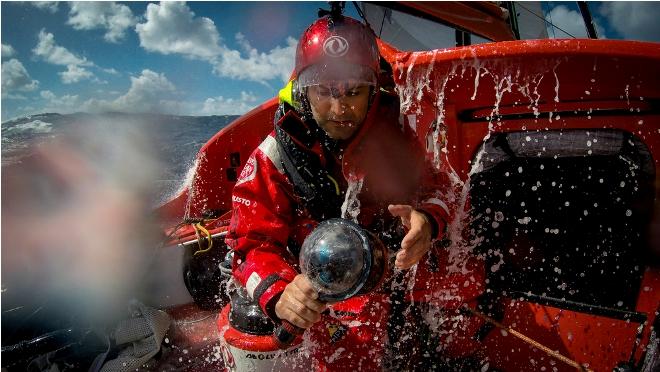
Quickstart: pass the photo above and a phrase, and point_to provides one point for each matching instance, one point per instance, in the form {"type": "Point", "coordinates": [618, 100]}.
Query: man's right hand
{"type": "Point", "coordinates": [299, 303]}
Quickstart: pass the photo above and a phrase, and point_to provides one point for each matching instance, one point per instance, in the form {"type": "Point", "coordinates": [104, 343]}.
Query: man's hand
{"type": "Point", "coordinates": [418, 239]}
{"type": "Point", "coordinates": [299, 303]}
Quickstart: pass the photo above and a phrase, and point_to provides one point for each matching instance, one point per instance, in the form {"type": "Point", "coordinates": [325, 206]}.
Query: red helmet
{"type": "Point", "coordinates": [337, 50]}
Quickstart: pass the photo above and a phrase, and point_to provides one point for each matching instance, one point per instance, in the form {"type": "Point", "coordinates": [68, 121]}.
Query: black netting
{"type": "Point", "coordinates": [565, 215]}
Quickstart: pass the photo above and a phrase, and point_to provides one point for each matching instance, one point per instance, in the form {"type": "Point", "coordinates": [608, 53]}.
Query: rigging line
{"type": "Point", "coordinates": [546, 21]}
{"type": "Point", "coordinates": [382, 23]}
{"type": "Point", "coordinates": [361, 14]}
{"type": "Point", "coordinates": [528, 340]}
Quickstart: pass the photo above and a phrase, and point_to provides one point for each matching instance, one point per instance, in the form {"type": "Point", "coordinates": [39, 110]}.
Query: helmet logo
{"type": "Point", "coordinates": [335, 46]}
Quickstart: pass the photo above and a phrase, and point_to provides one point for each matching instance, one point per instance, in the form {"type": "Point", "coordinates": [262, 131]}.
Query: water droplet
{"type": "Point", "coordinates": [628, 213]}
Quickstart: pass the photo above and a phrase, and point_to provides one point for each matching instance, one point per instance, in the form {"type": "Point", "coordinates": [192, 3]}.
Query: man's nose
{"type": "Point", "coordinates": [337, 105]}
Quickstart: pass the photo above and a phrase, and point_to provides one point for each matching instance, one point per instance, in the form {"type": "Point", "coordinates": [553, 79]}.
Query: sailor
{"type": "Point", "coordinates": [340, 149]}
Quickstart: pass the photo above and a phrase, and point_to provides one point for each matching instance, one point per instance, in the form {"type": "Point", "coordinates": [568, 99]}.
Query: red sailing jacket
{"type": "Point", "coordinates": [267, 215]}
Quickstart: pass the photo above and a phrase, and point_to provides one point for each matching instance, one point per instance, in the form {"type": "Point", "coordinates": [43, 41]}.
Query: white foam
{"type": "Point", "coordinates": [35, 126]}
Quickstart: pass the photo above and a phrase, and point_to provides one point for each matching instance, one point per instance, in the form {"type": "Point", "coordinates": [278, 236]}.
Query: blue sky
{"type": "Point", "coordinates": [195, 58]}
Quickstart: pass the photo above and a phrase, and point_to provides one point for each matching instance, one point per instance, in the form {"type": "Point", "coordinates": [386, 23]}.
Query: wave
{"type": "Point", "coordinates": [35, 126]}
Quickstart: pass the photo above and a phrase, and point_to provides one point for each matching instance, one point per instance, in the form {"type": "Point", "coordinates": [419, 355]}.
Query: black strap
{"type": "Point", "coordinates": [312, 183]}
{"type": "Point", "coordinates": [264, 285]}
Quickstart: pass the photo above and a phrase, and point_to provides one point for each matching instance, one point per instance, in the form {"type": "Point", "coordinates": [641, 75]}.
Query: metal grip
{"type": "Point", "coordinates": [285, 334]}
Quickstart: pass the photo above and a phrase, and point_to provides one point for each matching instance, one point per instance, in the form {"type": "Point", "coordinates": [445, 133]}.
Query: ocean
{"type": "Point", "coordinates": [175, 140]}
{"type": "Point", "coordinates": [78, 192]}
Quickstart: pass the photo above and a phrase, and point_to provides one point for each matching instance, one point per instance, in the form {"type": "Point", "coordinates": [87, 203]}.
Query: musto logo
{"type": "Point", "coordinates": [335, 46]}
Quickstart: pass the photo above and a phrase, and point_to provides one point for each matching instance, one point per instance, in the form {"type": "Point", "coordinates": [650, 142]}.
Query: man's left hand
{"type": "Point", "coordinates": [418, 239]}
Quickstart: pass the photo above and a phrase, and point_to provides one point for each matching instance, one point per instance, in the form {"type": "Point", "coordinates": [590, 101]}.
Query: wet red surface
{"type": "Point", "coordinates": [193, 342]}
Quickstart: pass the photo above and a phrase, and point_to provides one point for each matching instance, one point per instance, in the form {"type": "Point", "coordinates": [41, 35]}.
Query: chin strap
{"type": "Point", "coordinates": [293, 96]}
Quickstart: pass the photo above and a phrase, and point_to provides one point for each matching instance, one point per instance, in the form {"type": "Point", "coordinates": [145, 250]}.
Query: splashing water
{"type": "Point", "coordinates": [350, 209]}
{"type": "Point", "coordinates": [189, 183]}
{"type": "Point", "coordinates": [411, 91]}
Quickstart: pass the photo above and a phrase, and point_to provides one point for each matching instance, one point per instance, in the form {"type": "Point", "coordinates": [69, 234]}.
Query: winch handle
{"type": "Point", "coordinates": [285, 334]}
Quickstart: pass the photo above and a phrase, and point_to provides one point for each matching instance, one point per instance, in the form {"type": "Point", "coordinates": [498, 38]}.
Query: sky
{"type": "Point", "coordinates": [193, 58]}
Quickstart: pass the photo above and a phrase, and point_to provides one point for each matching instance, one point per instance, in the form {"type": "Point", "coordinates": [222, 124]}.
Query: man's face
{"type": "Point", "coordinates": [340, 109]}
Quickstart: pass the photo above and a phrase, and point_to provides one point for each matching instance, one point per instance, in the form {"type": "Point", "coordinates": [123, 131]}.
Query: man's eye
{"type": "Point", "coordinates": [353, 93]}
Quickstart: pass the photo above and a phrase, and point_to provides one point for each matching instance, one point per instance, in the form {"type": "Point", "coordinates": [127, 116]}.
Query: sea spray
{"type": "Point", "coordinates": [189, 184]}
{"type": "Point", "coordinates": [414, 81]}
{"type": "Point", "coordinates": [554, 72]}
{"type": "Point", "coordinates": [182, 187]}
{"type": "Point", "coordinates": [350, 209]}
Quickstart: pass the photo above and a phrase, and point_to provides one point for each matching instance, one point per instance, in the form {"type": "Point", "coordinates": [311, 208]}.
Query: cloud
{"type": "Point", "coordinates": [229, 106]}
{"type": "Point", "coordinates": [278, 62]}
{"type": "Point", "coordinates": [634, 20]}
{"type": "Point", "coordinates": [570, 21]}
{"type": "Point", "coordinates": [146, 90]}
{"type": "Point", "coordinates": [16, 78]}
{"type": "Point", "coordinates": [50, 52]}
{"type": "Point", "coordinates": [148, 93]}
{"type": "Point", "coordinates": [55, 54]}
{"type": "Point", "coordinates": [7, 51]}
{"type": "Point", "coordinates": [115, 18]}
{"type": "Point", "coordinates": [62, 104]}
{"type": "Point", "coordinates": [74, 74]}
{"type": "Point", "coordinates": [110, 71]}
{"type": "Point", "coordinates": [50, 6]}
{"type": "Point", "coordinates": [47, 94]}
{"type": "Point", "coordinates": [171, 27]}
